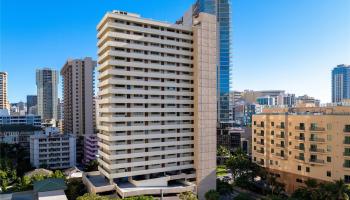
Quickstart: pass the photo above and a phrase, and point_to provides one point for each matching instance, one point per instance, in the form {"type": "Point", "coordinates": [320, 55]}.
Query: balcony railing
{"type": "Point", "coordinates": [346, 153]}
{"type": "Point", "coordinates": [316, 161]}
{"type": "Point", "coordinates": [280, 155]}
{"type": "Point", "coordinates": [300, 148]}
{"type": "Point", "coordinates": [260, 151]}
{"type": "Point", "coordinates": [317, 129]}
{"type": "Point", "coordinates": [280, 145]}
{"type": "Point", "coordinates": [259, 142]}
{"type": "Point", "coordinates": [260, 126]}
{"type": "Point", "coordinates": [280, 136]}
{"type": "Point", "coordinates": [317, 150]}
{"type": "Point", "coordinates": [280, 127]}
{"type": "Point", "coordinates": [300, 157]}
{"type": "Point", "coordinates": [260, 134]}
{"type": "Point", "coordinates": [317, 139]}
{"type": "Point", "coordinates": [299, 138]}
{"type": "Point", "coordinates": [300, 128]}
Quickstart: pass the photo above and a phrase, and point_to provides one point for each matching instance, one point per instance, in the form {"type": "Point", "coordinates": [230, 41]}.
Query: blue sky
{"type": "Point", "coordinates": [277, 44]}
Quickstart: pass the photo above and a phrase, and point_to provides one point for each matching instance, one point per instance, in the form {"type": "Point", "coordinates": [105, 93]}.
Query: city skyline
{"type": "Point", "coordinates": [297, 41]}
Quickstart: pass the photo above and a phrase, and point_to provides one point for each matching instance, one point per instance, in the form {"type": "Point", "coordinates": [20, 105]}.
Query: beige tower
{"type": "Point", "coordinates": [4, 103]}
{"type": "Point", "coordinates": [157, 104]}
{"type": "Point", "coordinates": [78, 95]}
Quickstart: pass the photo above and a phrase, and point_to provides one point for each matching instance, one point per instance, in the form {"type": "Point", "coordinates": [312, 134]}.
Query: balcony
{"type": "Point", "coordinates": [280, 145]}
{"type": "Point", "coordinates": [260, 151]}
{"type": "Point", "coordinates": [346, 153]}
{"type": "Point", "coordinates": [300, 158]}
{"type": "Point", "coordinates": [317, 129]}
{"type": "Point", "coordinates": [260, 134]}
{"type": "Point", "coordinates": [317, 140]}
{"type": "Point", "coordinates": [260, 143]}
{"type": "Point", "coordinates": [280, 155]}
{"type": "Point", "coordinates": [259, 126]}
{"type": "Point", "coordinates": [280, 136]}
{"type": "Point", "coordinates": [280, 127]}
{"type": "Point", "coordinates": [318, 161]}
{"type": "Point", "coordinates": [299, 138]}
{"type": "Point", "coordinates": [300, 128]}
{"type": "Point", "coordinates": [317, 150]}
{"type": "Point", "coordinates": [301, 148]}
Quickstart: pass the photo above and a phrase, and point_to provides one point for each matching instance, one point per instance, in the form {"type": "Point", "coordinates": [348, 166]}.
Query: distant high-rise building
{"type": "Point", "coordinates": [340, 83]}
{"type": "Point", "coordinates": [47, 82]}
{"type": "Point", "coordinates": [157, 104]}
{"type": "Point", "coordinates": [222, 10]}
{"type": "Point", "coordinates": [31, 102]}
{"type": "Point", "coordinates": [4, 103]}
{"type": "Point", "coordinates": [78, 95]}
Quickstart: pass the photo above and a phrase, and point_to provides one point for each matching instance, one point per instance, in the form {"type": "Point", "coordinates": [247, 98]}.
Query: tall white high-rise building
{"type": "Point", "coordinates": [47, 100]}
{"type": "Point", "coordinates": [157, 104]}
{"type": "Point", "coordinates": [4, 103]}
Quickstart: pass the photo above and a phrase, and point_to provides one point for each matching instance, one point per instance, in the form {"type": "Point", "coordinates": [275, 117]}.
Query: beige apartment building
{"type": "Point", "coordinates": [4, 103]}
{"type": "Point", "coordinates": [303, 143]}
{"type": "Point", "coordinates": [157, 104]}
{"type": "Point", "coordinates": [78, 105]}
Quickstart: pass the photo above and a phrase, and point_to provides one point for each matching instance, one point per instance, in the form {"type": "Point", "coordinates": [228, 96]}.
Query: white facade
{"type": "Point", "coordinates": [53, 150]}
{"type": "Point", "coordinates": [157, 100]}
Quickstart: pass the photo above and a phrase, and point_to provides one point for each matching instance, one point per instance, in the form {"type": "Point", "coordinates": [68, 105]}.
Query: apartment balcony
{"type": "Point", "coordinates": [280, 136]}
{"type": "Point", "coordinates": [300, 138]}
{"type": "Point", "coordinates": [260, 151]}
{"type": "Point", "coordinates": [280, 127]}
{"type": "Point", "coordinates": [260, 134]}
{"type": "Point", "coordinates": [317, 150]}
{"type": "Point", "coordinates": [280, 155]}
{"type": "Point", "coordinates": [317, 161]}
{"type": "Point", "coordinates": [317, 140]}
{"type": "Point", "coordinates": [300, 148]}
{"type": "Point", "coordinates": [317, 129]}
{"type": "Point", "coordinates": [280, 145]}
{"type": "Point", "coordinates": [259, 126]}
{"type": "Point", "coordinates": [300, 128]}
{"type": "Point", "coordinates": [302, 158]}
{"type": "Point", "coordinates": [259, 143]}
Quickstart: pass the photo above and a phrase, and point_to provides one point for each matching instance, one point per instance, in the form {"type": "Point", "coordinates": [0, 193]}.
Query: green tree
{"type": "Point", "coordinates": [341, 190]}
{"type": "Point", "coordinates": [243, 196]}
{"type": "Point", "coordinates": [222, 153]}
{"type": "Point", "coordinates": [58, 174]}
{"type": "Point", "coordinates": [188, 196]}
{"type": "Point", "coordinates": [223, 187]}
{"type": "Point", "coordinates": [4, 180]}
{"type": "Point", "coordinates": [75, 189]}
{"type": "Point", "coordinates": [91, 166]}
{"type": "Point", "coordinates": [89, 196]}
{"type": "Point", "coordinates": [212, 195]}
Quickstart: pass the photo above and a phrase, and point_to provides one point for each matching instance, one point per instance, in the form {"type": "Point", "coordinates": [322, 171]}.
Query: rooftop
{"type": "Point", "coordinates": [49, 184]}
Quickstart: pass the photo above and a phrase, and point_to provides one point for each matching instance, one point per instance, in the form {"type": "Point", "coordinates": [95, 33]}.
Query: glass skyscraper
{"type": "Point", "coordinates": [340, 83]}
{"type": "Point", "coordinates": [222, 10]}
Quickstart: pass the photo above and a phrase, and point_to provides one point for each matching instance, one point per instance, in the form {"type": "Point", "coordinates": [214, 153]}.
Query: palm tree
{"type": "Point", "coordinates": [341, 190]}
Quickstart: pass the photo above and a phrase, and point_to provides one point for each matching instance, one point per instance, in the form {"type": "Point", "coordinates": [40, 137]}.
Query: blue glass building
{"type": "Point", "coordinates": [340, 83]}
{"type": "Point", "coordinates": [222, 10]}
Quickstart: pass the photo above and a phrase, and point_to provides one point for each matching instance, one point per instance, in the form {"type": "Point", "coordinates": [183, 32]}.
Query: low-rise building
{"type": "Point", "coordinates": [52, 149]}
{"type": "Point", "coordinates": [301, 143]}
{"type": "Point", "coordinates": [5, 118]}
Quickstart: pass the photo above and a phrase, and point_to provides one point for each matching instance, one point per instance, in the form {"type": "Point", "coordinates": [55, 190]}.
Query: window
{"type": "Point", "coordinates": [299, 168]}
{"type": "Point", "coordinates": [329, 137]}
{"type": "Point", "coordinates": [298, 180]}
{"type": "Point", "coordinates": [272, 123]}
{"type": "Point", "coordinates": [271, 162]}
{"type": "Point", "coordinates": [272, 151]}
{"type": "Point", "coordinates": [329, 148]}
{"type": "Point", "coordinates": [254, 122]}
{"type": "Point", "coordinates": [307, 169]}
{"type": "Point", "coordinates": [272, 132]}
{"type": "Point", "coordinates": [272, 141]}
{"type": "Point", "coordinates": [329, 174]}
{"type": "Point", "coordinates": [347, 178]}
{"type": "Point", "coordinates": [329, 159]}
{"type": "Point", "coordinates": [347, 140]}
